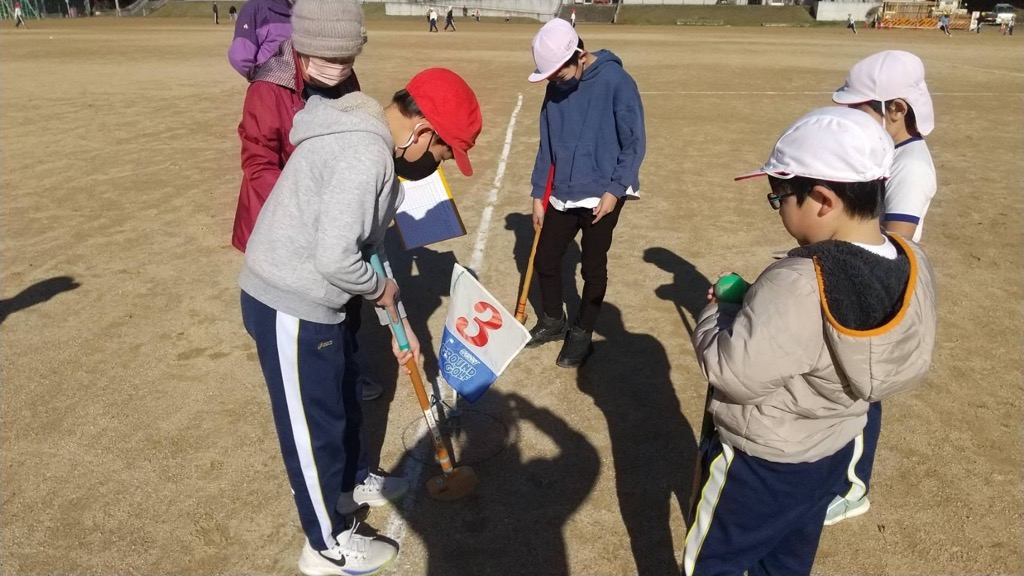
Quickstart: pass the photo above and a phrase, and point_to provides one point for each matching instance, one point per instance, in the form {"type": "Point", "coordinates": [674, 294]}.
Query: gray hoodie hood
{"type": "Point", "coordinates": [354, 112]}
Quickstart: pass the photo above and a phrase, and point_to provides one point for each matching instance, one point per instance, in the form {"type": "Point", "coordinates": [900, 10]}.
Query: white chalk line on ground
{"type": "Point", "coordinates": [992, 70]}
{"type": "Point", "coordinates": [485, 218]}
{"type": "Point", "coordinates": [770, 93]}
{"type": "Point", "coordinates": [412, 469]}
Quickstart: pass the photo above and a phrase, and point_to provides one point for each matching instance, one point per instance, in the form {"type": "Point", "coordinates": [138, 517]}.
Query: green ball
{"type": "Point", "coordinates": [731, 288]}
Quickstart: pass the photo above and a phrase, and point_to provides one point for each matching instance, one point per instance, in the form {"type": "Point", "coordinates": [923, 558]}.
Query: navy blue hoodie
{"type": "Point", "coordinates": [594, 134]}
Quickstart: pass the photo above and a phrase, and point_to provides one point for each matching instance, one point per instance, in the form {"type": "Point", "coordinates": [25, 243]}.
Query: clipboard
{"type": "Point", "coordinates": [428, 213]}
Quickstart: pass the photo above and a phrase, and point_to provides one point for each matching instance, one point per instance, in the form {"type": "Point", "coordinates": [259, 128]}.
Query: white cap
{"type": "Point", "coordinates": [835, 144]}
{"type": "Point", "coordinates": [553, 45]}
{"type": "Point", "coordinates": [887, 76]}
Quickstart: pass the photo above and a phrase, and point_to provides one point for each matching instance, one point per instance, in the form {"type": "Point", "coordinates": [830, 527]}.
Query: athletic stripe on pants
{"type": "Point", "coordinates": [863, 461]}
{"type": "Point", "coordinates": [759, 516]}
{"type": "Point", "coordinates": [314, 397]}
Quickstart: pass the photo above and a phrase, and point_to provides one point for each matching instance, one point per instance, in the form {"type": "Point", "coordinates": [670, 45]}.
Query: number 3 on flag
{"type": "Point", "coordinates": [483, 326]}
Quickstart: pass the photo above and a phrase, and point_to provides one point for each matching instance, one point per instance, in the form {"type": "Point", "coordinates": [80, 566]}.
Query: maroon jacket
{"type": "Point", "coordinates": [271, 102]}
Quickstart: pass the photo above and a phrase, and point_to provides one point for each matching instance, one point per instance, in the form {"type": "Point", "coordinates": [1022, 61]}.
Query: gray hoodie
{"type": "Point", "coordinates": [335, 198]}
{"type": "Point", "coordinates": [819, 335]}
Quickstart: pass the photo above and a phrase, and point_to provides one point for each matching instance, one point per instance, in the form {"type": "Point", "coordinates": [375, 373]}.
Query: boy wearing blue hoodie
{"type": "Point", "coordinates": [592, 135]}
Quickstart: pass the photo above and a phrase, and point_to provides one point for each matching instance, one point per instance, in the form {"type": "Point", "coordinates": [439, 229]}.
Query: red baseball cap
{"type": "Point", "coordinates": [450, 105]}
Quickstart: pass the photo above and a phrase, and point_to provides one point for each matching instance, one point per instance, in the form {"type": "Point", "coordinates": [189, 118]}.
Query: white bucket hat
{"type": "Point", "coordinates": [553, 45]}
{"type": "Point", "coordinates": [887, 76]}
{"type": "Point", "coordinates": [835, 144]}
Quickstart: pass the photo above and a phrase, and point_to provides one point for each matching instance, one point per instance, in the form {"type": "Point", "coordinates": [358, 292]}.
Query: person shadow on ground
{"type": "Point", "coordinates": [36, 294]}
{"type": "Point", "coordinates": [424, 279]}
{"type": "Point", "coordinates": [688, 289]}
{"type": "Point", "coordinates": [653, 447]}
{"type": "Point", "coordinates": [522, 226]}
{"type": "Point", "coordinates": [512, 524]}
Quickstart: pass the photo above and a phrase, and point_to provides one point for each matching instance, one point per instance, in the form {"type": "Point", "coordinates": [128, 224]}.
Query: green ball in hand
{"type": "Point", "coordinates": [731, 288]}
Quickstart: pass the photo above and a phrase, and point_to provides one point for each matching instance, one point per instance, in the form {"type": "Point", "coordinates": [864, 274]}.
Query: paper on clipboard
{"type": "Point", "coordinates": [428, 213]}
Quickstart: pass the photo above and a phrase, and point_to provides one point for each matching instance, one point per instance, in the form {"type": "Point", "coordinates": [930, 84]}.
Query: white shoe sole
{"type": "Point", "coordinates": [321, 570]}
{"type": "Point", "coordinates": [859, 511]}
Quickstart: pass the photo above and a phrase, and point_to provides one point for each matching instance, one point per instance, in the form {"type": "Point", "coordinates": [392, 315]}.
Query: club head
{"type": "Point", "coordinates": [454, 486]}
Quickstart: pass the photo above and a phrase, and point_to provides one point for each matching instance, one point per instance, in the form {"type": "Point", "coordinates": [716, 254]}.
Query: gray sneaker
{"type": "Point", "coordinates": [840, 509]}
{"type": "Point", "coordinates": [375, 491]}
{"type": "Point", "coordinates": [353, 555]}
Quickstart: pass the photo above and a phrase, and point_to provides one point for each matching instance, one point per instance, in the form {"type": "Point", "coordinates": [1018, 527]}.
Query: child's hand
{"type": "Point", "coordinates": [405, 356]}
{"type": "Point", "coordinates": [538, 213]}
{"type": "Point", "coordinates": [712, 299]}
{"type": "Point", "coordinates": [605, 207]}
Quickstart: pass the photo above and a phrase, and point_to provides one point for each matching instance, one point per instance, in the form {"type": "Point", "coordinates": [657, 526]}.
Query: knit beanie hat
{"type": "Point", "coordinates": [328, 28]}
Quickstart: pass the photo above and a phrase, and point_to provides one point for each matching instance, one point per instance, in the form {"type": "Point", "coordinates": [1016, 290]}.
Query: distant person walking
{"type": "Point", "coordinates": [465, 11]}
{"type": "Point", "coordinates": [449, 20]}
{"type": "Point", "coordinates": [1009, 26]}
{"type": "Point", "coordinates": [572, 18]}
{"type": "Point", "coordinates": [477, 14]}
{"type": "Point", "coordinates": [19, 19]}
{"type": "Point", "coordinates": [232, 13]}
{"type": "Point", "coordinates": [432, 18]}
{"type": "Point", "coordinates": [944, 24]}
{"type": "Point", "coordinates": [851, 23]}
{"type": "Point", "coordinates": [216, 14]}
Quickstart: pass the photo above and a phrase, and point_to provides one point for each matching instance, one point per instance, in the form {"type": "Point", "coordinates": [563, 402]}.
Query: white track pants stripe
{"type": "Point", "coordinates": [857, 487]}
{"type": "Point", "coordinates": [287, 353]}
{"type": "Point", "coordinates": [709, 496]}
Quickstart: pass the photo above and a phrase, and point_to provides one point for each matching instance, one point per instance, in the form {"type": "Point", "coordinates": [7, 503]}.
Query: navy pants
{"type": "Point", "coordinates": [316, 402]}
{"type": "Point", "coordinates": [758, 516]}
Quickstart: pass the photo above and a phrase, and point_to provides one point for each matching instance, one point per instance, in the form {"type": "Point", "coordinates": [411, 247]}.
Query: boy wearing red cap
{"type": "Point", "coordinates": [307, 257]}
{"type": "Point", "coordinates": [592, 132]}
{"type": "Point", "coordinates": [889, 86]}
{"type": "Point", "coordinates": [846, 319]}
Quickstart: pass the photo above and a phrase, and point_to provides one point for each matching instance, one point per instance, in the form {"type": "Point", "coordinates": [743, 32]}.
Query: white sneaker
{"type": "Point", "coordinates": [371, 390]}
{"type": "Point", "coordinates": [375, 491]}
{"type": "Point", "coordinates": [840, 509]}
{"type": "Point", "coordinates": [354, 555]}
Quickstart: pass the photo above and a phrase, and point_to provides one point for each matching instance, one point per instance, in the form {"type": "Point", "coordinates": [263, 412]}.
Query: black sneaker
{"type": "Point", "coordinates": [576, 348]}
{"type": "Point", "coordinates": [548, 329]}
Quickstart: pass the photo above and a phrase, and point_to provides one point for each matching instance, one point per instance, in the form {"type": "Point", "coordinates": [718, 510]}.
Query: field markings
{"type": "Point", "coordinates": [412, 468]}
{"type": "Point", "coordinates": [992, 70]}
{"type": "Point", "coordinates": [485, 217]}
{"type": "Point", "coordinates": [829, 93]}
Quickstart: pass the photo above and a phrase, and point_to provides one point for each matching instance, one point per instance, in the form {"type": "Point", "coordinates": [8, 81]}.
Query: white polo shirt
{"type": "Point", "coordinates": [910, 190]}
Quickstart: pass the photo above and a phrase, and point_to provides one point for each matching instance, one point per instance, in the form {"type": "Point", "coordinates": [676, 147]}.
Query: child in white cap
{"type": "Point", "coordinates": [846, 319]}
{"type": "Point", "coordinates": [592, 135]}
{"type": "Point", "coordinates": [889, 86]}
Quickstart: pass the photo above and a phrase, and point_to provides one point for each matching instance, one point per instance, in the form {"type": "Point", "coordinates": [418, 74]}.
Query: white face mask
{"type": "Point", "coordinates": [327, 74]}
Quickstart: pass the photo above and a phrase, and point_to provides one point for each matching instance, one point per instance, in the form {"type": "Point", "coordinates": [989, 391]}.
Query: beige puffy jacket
{"type": "Point", "coordinates": [791, 383]}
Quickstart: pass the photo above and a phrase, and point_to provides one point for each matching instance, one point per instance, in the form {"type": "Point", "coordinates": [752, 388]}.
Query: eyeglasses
{"type": "Point", "coordinates": [775, 200]}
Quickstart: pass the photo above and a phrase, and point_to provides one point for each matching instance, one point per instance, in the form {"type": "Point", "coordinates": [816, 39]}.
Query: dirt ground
{"type": "Point", "coordinates": [137, 436]}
